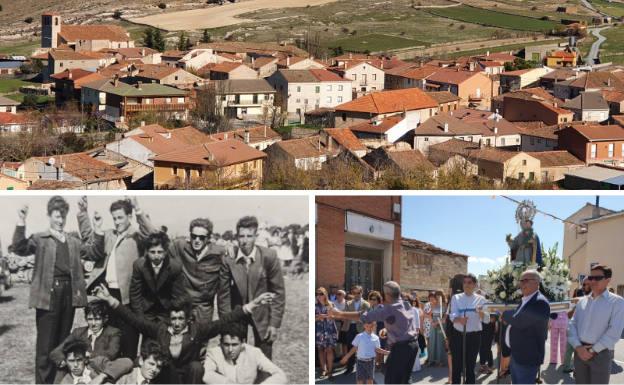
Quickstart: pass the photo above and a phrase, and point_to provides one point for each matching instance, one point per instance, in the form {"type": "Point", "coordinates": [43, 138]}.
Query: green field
{"type": "Point", "coordinates": [11, 85]}
{"type": "Point", "coordinates": [612, 50]}
{"type": "Point", "coordinates": [502, 48]}
{"type": "Point", "coordinates": [611, 8]}
{"type": "Point", "coordinates": [375, 43]}
{"type": "Point", "coordinates": [19, 97]}
{"type": "Point", "coordinates": [495, 19]}
{"type": "Point", "coordinates": [25, 48]}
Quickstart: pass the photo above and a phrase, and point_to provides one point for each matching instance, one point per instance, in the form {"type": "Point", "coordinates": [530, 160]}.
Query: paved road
{"type": "Point", "coordinates": [587, 4]}
{"type": "Point", "coordinates": [550, 374]}
{"type": "Point", "coordinates": [592, 57]}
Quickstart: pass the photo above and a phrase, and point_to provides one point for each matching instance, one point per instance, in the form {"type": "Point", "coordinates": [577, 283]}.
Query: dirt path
{"type": "Point", "coordinates": [219, 16]}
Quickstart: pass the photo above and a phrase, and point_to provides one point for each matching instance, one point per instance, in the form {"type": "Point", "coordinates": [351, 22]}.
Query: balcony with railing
{"type": "Point", "coordinates": [162, 107]}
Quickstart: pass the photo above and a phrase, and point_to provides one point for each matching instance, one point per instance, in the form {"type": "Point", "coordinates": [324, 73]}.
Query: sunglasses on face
{"type": "Point", "coordinates": [200, 237]}
{"type": "Point", "coordinates": [596, 277]}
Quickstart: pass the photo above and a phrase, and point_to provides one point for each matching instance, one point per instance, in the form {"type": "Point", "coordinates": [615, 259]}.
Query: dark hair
{"type": "Point", "coordinates": [201, 222]}
{"type": "Point", "coordinates": [58, 203]}
{"type": "Point", "coordinates": [156, 239]}
{"type": "Point", "coordinates": [153, 348]}
{"type": "Point", "coordinates": [415, 302]}
{"type": "Point", "coordinates": [235, 329]}
{"type": "Point", "coordinates": [357, 287]}
{"type": "Point", "coordinates": [606, 270]}
{"type": "Point", "coordinates": [76, 346]}
{"type": "Point", "coordinates": [472, 277]}
{"type": "Point", "coordinates": [97, 308]}
{"type": "Point", "coordinates": [228, 235]}
{"type": "Point", "coordinates": [122, 204]}
{"type": "Point", "coordinates": [182, 304]}
{"type": "Point", "coordinates": [247, 223]}
{"type": "Point", "coordinates": [375, 295]}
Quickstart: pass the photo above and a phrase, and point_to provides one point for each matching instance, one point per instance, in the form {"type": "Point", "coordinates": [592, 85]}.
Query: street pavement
{"type": "Point", "coordinates": [549, 374]}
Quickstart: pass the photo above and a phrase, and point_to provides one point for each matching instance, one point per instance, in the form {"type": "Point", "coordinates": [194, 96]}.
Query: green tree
{"type": "Point", "coordinates": [205, 37]}
{"type": "Point", "coordinates": [148, 37]}
{"type": "Point", "coordinates": [182, 41]}
{"type": "Point", "coordinates": [30, 100]}
{"type": "Point", "coordinates": [159, 40]}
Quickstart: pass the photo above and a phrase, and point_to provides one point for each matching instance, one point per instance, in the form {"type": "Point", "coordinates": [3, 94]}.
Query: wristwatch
{"type": "Point", "coordinates": [590, 350]}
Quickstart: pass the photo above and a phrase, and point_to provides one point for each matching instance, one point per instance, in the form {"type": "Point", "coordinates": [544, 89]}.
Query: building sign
{"type": "Point", "coordinates": [369, 227]}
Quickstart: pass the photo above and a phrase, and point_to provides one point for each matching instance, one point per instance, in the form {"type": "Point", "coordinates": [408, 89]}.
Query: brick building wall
{"type": "Point", "coordinates": [331, 235]}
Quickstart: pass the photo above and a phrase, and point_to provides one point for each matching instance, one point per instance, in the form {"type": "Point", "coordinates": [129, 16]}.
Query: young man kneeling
{"type": "Point", "coordinates": [151, 361]}
{"type": "Point", "coordinates": [236, 362]}
{"type": "Point", "coordinates": [84, 370]}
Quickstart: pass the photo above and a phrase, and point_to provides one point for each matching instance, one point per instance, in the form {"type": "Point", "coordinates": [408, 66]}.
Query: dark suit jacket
{"type": "Point", "coordinates": [106, 345]}
{"type": "Point", "coordinates": [192, 342]}
{"type": "Point", "coordinates": [43, 246]}
{"type": "Point", "coordinates": [146, 290]}
{"type": "Point", "coordinates": [529, 330]}
{"type": "Point", "coordinates": [264, 275]}
{"type": "Point", "coordinates": [364, 306]}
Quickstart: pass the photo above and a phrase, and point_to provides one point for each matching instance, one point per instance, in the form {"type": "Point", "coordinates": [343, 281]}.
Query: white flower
{"type": "Point", "coordinates": [502, 295]}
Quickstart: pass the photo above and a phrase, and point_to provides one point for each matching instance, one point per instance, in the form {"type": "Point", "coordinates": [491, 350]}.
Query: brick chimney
{"type": "Point", "coordinates": [246, 137]}
{"type": "Point", "coordinates": [446, 127]}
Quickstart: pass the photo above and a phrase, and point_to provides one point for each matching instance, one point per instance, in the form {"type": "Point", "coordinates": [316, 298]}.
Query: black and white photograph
{"type": "Point", "coordinates": [173, 289]}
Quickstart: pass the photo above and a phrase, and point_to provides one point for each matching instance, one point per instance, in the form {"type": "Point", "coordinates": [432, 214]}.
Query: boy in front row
{"type": "Point", "coordinates": [85, 370]}
{"type": "Point", "coordinates": [366, 344]}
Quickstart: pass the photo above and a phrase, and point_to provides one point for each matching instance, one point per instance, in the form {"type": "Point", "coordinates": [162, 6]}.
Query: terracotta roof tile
{"type": "Point", "coordinates": [379, 127]}
{"type": "Point", "coordinates": [86, 168]}
{"type": "Point", "coordinates": [310, 147]}
{"type": "Point", "coordinates": [390, 101]}
{"type": "Point", "coordinates": [345, 138]}
{"type": "Point", "coordinates": [256, 134]}
{"type": "Point", "coordinates": [599, 133]}
{"type": "Point", "coordinates": [72, 33]}
{"type": "Point", "coordinates": [444, 97]}
{"type": "Point", "coordinates": [160, 140]}
{"type": "Point", "coordinates": [557, 159]}
{"type": "Point", "coordinates": [220, 154]}
{"type": "Point", "coordinates": [451, 76]}
{"type": "Point", "coordinates": [9, 118]}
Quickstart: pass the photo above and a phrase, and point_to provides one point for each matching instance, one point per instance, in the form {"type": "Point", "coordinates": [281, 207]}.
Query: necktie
{"type": "Point", "coordinates": [93, 337]}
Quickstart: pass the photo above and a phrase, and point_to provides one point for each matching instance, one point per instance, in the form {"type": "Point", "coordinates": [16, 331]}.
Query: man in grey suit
{"type": "Point", "coordinates": [251, 270]}
{"type": "Point", "coordinates": [352, 328]}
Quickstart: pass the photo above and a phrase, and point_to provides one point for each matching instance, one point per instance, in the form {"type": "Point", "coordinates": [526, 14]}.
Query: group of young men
{"type": "Point", "coordinates": [134, 281]}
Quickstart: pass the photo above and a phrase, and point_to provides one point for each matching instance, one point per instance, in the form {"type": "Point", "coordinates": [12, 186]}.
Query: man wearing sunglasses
{"type": "Point", "coordinates": [595, 328]}
{"type": "Point", "coordinates": [528, 330]}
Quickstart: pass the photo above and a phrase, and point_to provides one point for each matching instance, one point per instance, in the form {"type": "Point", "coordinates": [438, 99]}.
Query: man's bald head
{"type": "Point", "coordinates": [529, 282]}
{"type": "Point", "coordinates": [392, 291]}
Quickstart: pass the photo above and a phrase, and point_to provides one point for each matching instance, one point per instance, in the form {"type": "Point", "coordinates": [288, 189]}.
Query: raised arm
{"type": "Point", "coordinates": [92, 239]}
{"type": "Point", "coordinates": [146, 227]}
{"type": "Point", "coordinates": [21, 245]}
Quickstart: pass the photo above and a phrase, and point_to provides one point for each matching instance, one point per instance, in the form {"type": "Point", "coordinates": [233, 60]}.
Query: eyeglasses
{"type": "Point", "coordinates": [200, 237]}
{"type": "Point", "coordinates": [596, 277]}
{"type": "Point", "coordinates": [525, 280]}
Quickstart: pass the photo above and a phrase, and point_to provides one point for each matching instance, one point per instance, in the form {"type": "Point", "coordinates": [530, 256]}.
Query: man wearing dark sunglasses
{"type": "Point", "coordinates": [202, 265]}
{"type": "Point", "coordinates": [595, 328]}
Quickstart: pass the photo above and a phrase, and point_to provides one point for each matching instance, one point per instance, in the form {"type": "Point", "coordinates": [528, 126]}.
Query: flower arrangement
{"type": "Point", "coordinates": [503, 286]}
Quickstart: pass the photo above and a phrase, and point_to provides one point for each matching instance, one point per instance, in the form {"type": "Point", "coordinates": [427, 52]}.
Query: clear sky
{"type": "Point", "coordinates": [477, 225]}
{"type": "Point", "coordinates": [175, 212]}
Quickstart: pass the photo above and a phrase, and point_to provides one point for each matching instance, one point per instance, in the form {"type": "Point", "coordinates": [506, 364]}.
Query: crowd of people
{"type": "Point", "coordinates": [149, 300]}
{"type": "Point", "coordinates": [392, 331]}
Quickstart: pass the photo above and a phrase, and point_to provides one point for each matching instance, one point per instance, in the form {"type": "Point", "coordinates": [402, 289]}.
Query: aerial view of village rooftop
{"type": "Point", "coordinates": [311, 94]}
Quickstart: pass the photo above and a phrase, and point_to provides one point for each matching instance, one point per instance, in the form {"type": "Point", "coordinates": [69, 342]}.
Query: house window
{"type": "Point", "coordinates": [298, 100]}
{"type": "Point", "coordinates": [167, 100]}
{"type": "Point", "coordinates": [317, 89]}
{"type": "Point", "coordinates": [255, 99]}
{"type": "Point", "coordinates": [524, 162]}
{"type": "Point", "coordinates": [531, 176]}
{"type": "Point", "coordinates": [502, 141]}
{"type": "Point", "coordinates": [329, 87]}
{"type": "Point", "coordinates": [298, 88]}
{"type": "Point", "coordinates": [176, 77]}
{"type": "Point", "coordinates": [344, 117]}
{"type": "Point", "coordinates": [354, 76]}
{"type": "Point", "coordinates": [340, 87]}
{"type": "Point", "coordinates": [339, 99]}
{"type": "Point", "coordinates": [329, 99]}
{"type": "Point", "coordinates": [593, 151]}
{"type": "Point", "coordinates": [180, 100]}
{"type": "Point", "coordinates": [61, 64]}
{"type": "Point", "coordinates": [521, 176]}
{"type": "Point", "coordinates": [532, 140]}
{"type": "Point", "coordinates": [147, 101]}
{"type": "Point", "coordinates": [426, 139]}
{"type": "Point", "coordinates": [174, 170]}
{"type": "Point", "coordinates": [611, 149]}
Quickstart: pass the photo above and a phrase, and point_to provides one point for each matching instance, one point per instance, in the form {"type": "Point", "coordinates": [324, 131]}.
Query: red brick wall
{"type": "Point", "coordinates": [330, 234]}
{"type": "Point", "coordinates": [570, 140]}
{"type": "Point", "coordinates": [602, 151]}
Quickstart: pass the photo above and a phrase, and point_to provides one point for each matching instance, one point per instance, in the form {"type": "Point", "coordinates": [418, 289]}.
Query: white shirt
{"type": "Point", "coordinates": [90, 335]}
{"type": "Point", "coordinates": [140, 378]}
{"type": "Point", "coordinates": [85, 378]}
{"type": "Point", "coordinates": [524, 302]}
{"type": "Point", "coordinates": [366, 345]}
{"type": "Point", "coordinates": [156, 269]}
{"type": "Point", "coordinates": [249, 259]}
{"type": "Point", "coordinates": [463, 304]}
{"type": "Point", "coordinates": [111, 266]}
{"type": "Point", "coordinates": [598, 321]}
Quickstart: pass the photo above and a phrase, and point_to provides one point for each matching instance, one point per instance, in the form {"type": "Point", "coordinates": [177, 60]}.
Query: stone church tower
{"type": "Point", "coordinates": [50, 28]}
